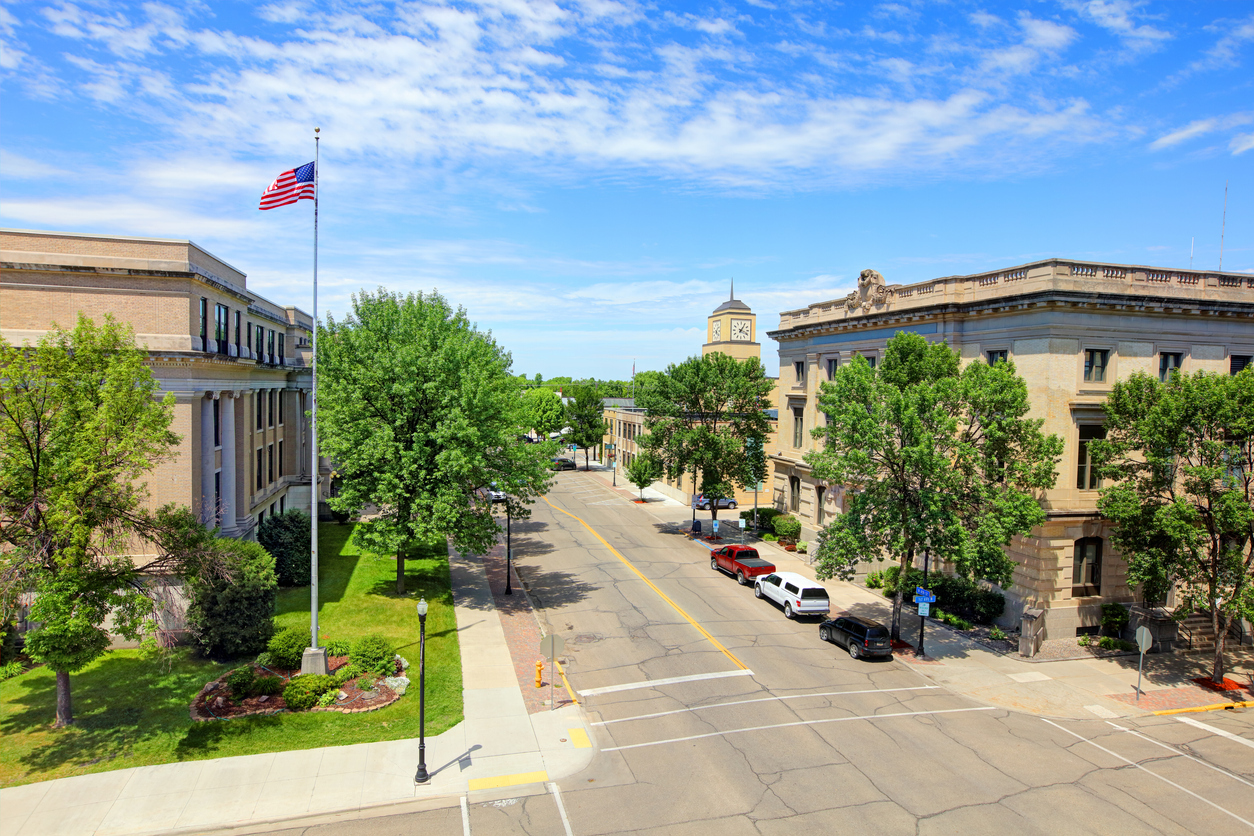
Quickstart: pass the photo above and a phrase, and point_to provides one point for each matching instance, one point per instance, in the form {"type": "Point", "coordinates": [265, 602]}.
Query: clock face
{"type": "Point", "coordinates": [740, 330]}
{"type": "Point", "coordinates": [717, 331]}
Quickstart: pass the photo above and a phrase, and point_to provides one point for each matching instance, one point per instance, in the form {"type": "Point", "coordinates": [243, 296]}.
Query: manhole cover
{"type": "Point", "coordinates": [586, 638]}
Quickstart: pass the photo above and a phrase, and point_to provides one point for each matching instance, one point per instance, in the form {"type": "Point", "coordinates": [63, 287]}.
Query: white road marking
{"type": "Point", "coordinates": [653, 683]}
{"type": "Point", "coordinates": [1182, 754]}
{"type": "Point", "coordinates": [1029, 676]}
{"type": "Point", "coordinates": [800, 723]}
{"type": "Point", "coordinates": [561, 808]}
{"type": "Point", "coordinates": [465, 817]}
{"type": "Point", "coordinates": [764, 699]}
{"type": "Point", "coordinates": [1101, 711]}
{"type": "Point", "coordinates": [1221, 732]}
{"type": "Point", "coordinates": [1151, 772]}
{"type": "Point", "coordinates": [615, 501]}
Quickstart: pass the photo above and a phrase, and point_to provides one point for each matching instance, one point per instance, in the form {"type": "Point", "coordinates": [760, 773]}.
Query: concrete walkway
{"type": "Point", "coordinates": [1072, 688]}
{"type": "Point", "coordinates": [497, 748]}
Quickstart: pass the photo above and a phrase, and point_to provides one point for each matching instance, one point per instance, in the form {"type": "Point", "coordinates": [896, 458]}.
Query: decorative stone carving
{"type": "Point", "coordinates": [871, 291]}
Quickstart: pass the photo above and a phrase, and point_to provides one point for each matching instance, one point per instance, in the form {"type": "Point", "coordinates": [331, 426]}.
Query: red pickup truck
{"type": "Point", "coordinates": [741, 561]}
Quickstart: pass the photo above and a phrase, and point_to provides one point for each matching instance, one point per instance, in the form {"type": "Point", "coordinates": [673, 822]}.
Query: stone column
{"type": "Point", "coordinates": [206, 510]}
{"type": "Point", "coordinates": [229, 457]}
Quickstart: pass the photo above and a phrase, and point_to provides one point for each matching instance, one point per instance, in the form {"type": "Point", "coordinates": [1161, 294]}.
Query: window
{"type": "Point", "coordinates": [270, 463]}
{"type": "Point", "coordinates": [280, 407]}
{"type": "Point", "coordinates": [832, 363]}
{"type": "Point", "coordinates": [270, 344]}
{"type": "Point", "coordinates": [217, 423]}
{"type": "Point", "coordinates": [794, 493]}
{"type": "Point", "coordinates": [221, 326]}
{"type": "Point", "coordinates": [995, 356]}
{"type": "Point", "coordinates": [870, 359]}
{"type": "Point", "coordinates": [798, 425]}
{"type": "Point", "coordinates": [1086, 570]}
{"type": "Point", "coordinates": [819, 490]}
{"type": "Point", "coordinates": [1095, 365]}
{"type": "Point", "coordinates": [238, 319]}
{"type": "Point", "coordinates": [270, 408]}
{"type": "Point", "coordinates": [261, 517]}
{"type": "Point", "coordinates": [204, 324]}
{"type": "Point", "coordinates": [258, 407]}
{"type": "Point", "coordinates": [1238, 362]}
{"type": "Point", "coordinates": [248, 329]}
{"type": "Point", "coordinates": [799, 369]}
{"type": "Point", "coordinates": [280, 467]}
{"type": "Point", "coordinates": [1167, 361]}
{"type": "Point", "coordinates": [260, 474]}
{"type": "Point", "coordinates": [260, 344]}
{"type": "Point", "coordinates": [282, 502]}
{"type": "Point", "coordinates": [1086, 478]}
{"type": "Point", "coordinates": [281, 338]}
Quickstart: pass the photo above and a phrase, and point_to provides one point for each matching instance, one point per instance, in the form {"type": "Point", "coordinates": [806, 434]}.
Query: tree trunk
{"type": "Point", "coordinates": [1217, 671]}
{"type": "Point", "coordinates": [899, 597]}
{"type": "Point", "coordinates": [400, 572]}
{"type": "Point", "coordinates": [65, 712]}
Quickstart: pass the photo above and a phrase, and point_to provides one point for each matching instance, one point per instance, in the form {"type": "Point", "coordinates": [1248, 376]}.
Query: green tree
{"type": "Point", "coordinates": [586, 416]}
{"type": "Point", "coordinates": [420, 413]}
{"type": "Point", "coordinates": [231, 614]}
{"type": "Point", "coordinates": [80, 425]}
{"type": "Point", "coordinates": [286, 536]}
{"type": "Point", "coordinates": [1181, 454]}
{"type": "Point", "coordinates": [545, 412]}
{"type": "Point", "coordinates": [930, 457]}
{"type": "Point", "coordinates": [701, 415]}
{"type": "Point", "coordinates": [643, 471]}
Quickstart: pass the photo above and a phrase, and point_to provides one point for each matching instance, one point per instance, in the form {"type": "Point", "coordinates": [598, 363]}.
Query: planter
{"type": "Point", "coordinates": [790, 547]}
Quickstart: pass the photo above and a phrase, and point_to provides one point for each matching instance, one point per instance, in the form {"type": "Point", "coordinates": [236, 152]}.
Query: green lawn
{"type": "Point", "coordinates": [132, 709]}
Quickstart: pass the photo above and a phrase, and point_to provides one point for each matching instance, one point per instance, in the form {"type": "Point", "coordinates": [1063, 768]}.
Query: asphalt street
{"type": "Point", "coordinates": [713, 713]}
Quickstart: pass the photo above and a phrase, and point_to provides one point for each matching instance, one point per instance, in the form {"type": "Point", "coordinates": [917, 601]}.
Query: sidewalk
{"type": "Point", "coordinates": [498, 747]}
{"type": "Point", "coordinates": [1072, 688]}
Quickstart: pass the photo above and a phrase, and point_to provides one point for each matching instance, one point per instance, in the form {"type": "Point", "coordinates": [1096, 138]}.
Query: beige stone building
{"type": "Point", "coordinates": [731, 329]}
{"type": "Point", "coordinates": [1072, 329]}
{"type": "Point", "coordinates": [237, 363]}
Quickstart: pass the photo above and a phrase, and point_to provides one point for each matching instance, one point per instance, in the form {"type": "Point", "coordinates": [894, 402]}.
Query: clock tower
{"type": "Point", "coordinates": [732, 329]}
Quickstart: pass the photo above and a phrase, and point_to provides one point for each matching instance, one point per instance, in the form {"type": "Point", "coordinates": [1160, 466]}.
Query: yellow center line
{"type": "Point", "coordinates": [660, 593]}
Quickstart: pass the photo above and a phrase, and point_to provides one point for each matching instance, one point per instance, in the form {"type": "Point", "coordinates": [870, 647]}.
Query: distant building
{"type": "Point", "coordinates": [237, 363]}
{"type": "Point", "coordinates": [1072, 329]}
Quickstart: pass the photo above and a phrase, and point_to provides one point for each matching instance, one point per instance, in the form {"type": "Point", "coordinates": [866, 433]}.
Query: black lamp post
{"type": "Point", "coordinates": [509, 552]}
{"type": "Point", "coordinates": [422, 777]}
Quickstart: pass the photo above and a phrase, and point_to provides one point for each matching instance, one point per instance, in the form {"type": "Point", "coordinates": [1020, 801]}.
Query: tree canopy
{"type": "Point", "coordinates": [80, 426]}
{"type": "Point", "coordinates": [1181, 456]}
{"type": "Point", "coordinates": [643, 471]}
{"type": "Point", "coordinates": [930, 457]}
{"type": "Point", "coordinates": [544, 411]}
{"type": "Point", "coordinates": [586, 416]}
{"type": "Point", "coordinates": [420, 414]}
{"type": "Point", "coordinates": [700, 417]}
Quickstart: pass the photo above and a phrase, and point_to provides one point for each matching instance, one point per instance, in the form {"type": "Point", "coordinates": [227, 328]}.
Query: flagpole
{"type": "Point", "coordinates": [313, 435]}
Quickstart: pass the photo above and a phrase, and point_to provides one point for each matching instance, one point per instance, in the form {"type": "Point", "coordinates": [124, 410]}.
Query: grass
{"type": "Point", "coordinates": [131, 707]}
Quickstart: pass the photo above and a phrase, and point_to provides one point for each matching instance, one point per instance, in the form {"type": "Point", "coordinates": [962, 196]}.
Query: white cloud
{"type": "Point", "coordinates": [1119, 18]}
{"type": "Point", "coordinates": [1241, 143]}
{"type": "Point", "coordinates": [1197, 128]}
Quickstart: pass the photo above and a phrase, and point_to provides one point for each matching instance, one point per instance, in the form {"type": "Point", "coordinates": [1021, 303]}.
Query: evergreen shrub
{"type": "Point", "coordinates": [231, 616]}
{"type": "Point", "coordinates": [373, 653]}
{"type": "Point", "coordinates": [302, 692]}
{"type": "Point", "coordinates": [286, 536]}
{"type": "Point", "coordinates": [288, 647]}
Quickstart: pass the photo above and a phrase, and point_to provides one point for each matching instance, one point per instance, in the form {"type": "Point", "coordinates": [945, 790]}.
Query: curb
{"type": "Point", "coordinates": [1219, 706]}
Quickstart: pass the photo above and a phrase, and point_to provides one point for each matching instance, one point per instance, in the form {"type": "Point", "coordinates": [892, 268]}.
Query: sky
{"type": "Point", "coordinates": [585, 178]}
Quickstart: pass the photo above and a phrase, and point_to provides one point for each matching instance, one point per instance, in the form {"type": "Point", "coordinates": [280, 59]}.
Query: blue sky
{"type": "Point", "coordinates": [585, 177]}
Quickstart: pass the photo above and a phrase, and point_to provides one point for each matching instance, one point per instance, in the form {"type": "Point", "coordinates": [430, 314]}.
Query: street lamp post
{"type": "Point", "coordinates": [509, 552]}
{"type": "Point", "coordinates": [421, 777]}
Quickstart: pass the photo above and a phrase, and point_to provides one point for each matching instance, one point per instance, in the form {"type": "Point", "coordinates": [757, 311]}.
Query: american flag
{"type": "Point", "coordinates": [289, 187]}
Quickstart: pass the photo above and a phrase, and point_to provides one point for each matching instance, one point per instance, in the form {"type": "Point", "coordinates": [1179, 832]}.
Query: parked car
{"type": "Point", "coordinates": [702, 503]}
{"type": "Point", "coordinates": [741, 561]}
{"type": "Point", "coordinates": [495, 495]}
{"type": "Point", "coordinates": [859, 636]}
{"type": "Point", "coordinates": [797, 595]}
{"type": "Point", "coordinates": [563, 464]}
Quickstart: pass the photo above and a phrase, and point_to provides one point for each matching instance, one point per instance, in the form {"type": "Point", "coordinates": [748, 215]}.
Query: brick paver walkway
{"type": "Point", "coordinates": [1185, 696]}
{"type": "Point", "coordinates": [522, 635]}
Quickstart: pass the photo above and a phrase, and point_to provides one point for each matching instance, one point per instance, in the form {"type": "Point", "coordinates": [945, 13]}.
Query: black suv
{"type": "Point", "coordinates": [861, 637]}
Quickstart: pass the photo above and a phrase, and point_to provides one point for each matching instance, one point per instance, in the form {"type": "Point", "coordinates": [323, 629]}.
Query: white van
{"type": "Point", "coordinates": [797, 595]}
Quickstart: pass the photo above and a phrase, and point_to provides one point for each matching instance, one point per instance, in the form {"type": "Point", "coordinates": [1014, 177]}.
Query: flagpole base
{"type": "Point", "coordinates": [314, 660]}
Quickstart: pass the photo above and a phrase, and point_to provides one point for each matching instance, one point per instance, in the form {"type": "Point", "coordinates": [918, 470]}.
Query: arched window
{"type": "Point", "coordinates": [1086, 571]}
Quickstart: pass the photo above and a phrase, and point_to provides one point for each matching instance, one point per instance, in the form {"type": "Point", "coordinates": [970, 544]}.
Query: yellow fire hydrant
{"type": "Point", "coordinates": [539, 673]}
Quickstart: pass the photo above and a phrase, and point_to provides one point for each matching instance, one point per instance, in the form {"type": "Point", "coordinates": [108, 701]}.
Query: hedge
{"type": "Point", "coordinates": [286, 536]}
{"type": "Point", "coordinates": [954, 594]}
{"type": "Point", "coordinates": [232, 616]}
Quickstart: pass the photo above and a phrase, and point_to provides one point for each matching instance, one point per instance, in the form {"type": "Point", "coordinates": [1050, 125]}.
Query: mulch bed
{"type": "Point", "coordinates": [1226, 685]}
{"type": "Point", "coordinates": [214, 702]}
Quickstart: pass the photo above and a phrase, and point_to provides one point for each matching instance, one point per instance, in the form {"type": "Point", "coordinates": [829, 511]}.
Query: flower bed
{"type": "Point", "coordinates": [216, 702]}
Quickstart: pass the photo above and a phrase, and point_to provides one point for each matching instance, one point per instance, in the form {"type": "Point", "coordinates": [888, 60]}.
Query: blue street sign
{"type": "Point", "coordinates": [923, 596]}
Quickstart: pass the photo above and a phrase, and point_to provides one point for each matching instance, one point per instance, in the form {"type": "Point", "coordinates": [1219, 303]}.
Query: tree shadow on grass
{"type": "Point", "coordinates": [335, 570]}
{"type": "Point", "coordinates": [203, 739]}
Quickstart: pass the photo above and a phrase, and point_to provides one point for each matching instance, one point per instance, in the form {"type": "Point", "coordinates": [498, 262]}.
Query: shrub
{"type": "Point", "coordinates": [802, 547]}
{"type": "Point", "coordinates": [997, 634]}
{"type": "Point", "coordinates": [241, 681]}
{"type": "Point", "coordinates": [1084, 641]}
{"type": "Point", "coordinates": [327, 699]}
{"type": "Point", "coordinates": [770, 538]}
{"type": "Point", "coordinates": [374, 654]}
{"type": "Point", "coordinates": [231, 616]}
{"type": "Point", "coordinates": [338, 647]}
{"type": "Point", "coordinates": [302, 692]}
{"type": "Point", "coordinates": [286, 536]}
{"type": "Point", "coordinates": [267, 686]}
{"type": "Point", "coordinates": [264, 659]}
{"type": "Point", "coordinates": [1110, 643]}
{"type": "Point", "coordinates": [288, 647]}
{"type": "Point", "coordinates": [874, 580]}
{"type": "Point", "coordinates": [11, 669]}
{"type": "Point", "coordinates": [346, 672]}
{"type": "Point", "coordinates": [786, 527]}
{"type": "Point", "coordinates": [1114, 619]}
{"type": "Point", "coordinates": [765, 517]}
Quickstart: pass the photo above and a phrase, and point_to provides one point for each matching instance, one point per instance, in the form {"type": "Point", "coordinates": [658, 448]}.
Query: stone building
{"type": "Point", "coordinates": [1072, 329]}
{"type": "Point", "coordinates": [237, 363]}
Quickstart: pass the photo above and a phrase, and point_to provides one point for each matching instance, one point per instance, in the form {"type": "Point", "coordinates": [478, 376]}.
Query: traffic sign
{"type": "Point", "coordinates": [924, 608]}
{"type": "Point", "coordinates": [552, 645]}
{"type": "Point", "coordinates": [1144, 640]}
{"type": "Point", "coordinates": [923, 596]}
{"type": "Point", "coordinates": [715, 526]}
